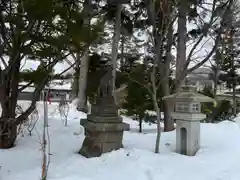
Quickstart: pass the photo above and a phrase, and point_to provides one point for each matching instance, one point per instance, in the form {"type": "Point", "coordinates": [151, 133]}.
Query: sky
{"type": "Point", "coordinates": [60, 67]}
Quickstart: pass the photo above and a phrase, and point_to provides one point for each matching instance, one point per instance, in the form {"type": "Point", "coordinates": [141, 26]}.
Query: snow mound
{"type": "Point", "coordinates": [218, 158]}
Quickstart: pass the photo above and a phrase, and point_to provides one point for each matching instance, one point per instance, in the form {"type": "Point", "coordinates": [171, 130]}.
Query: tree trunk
{"type": "Point", "coordinates": [216, 75]}
{"type": "Point", "coordinates": [156, 107]}
{"type": "Point", "coordinates": [115, 43]}
{"type": "Point", "coordinates": [8, 98]}
{"type": "Point", "coordinates": [75, 85]}
{"type": "Point", "coordinates": [167, 106]}
{"type": "Point", "coordinates": [181, 44]}
{"type": "Point", "coordinates": [83, 82]}
{"type": "Point", "coordinates": [234, 100]}
{"type": "Point", "coordinates": [233, 70]}
{"type": "Point", "coordinates": [122, 63]}
{"type": "Point", "coordinates": [219, 60]}
{"type": "Point", "coordinates": [140, 125]}
{"type": "Point", "coordinates": [84, 64]}
{"type": "Point", "coordinates": [8, 133]}
{"type": "Point", "coordinates": [44, 138]}
{"type": "Point", "coordinates": [168, 120]}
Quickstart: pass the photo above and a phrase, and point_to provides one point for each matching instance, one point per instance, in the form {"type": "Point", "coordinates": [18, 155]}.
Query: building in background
{"type": "Point", "coordinates": [58, 90]}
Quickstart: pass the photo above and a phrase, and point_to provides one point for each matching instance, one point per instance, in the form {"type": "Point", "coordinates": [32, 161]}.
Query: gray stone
{"type": "Point", "coordinates": [188, 115]}
{"type": "Point", "coordinates": [187, 137]}
{"type": "Point", "coordinates": [103, 127]}
{"type": "Point", "coordinates": [117, 2]}
{"type": "Point", "coordinates": [109, 119]}
{"type": "Point", "coordinates": [101, 137]}
{"type": "Point", "coordinates": [105, 107]}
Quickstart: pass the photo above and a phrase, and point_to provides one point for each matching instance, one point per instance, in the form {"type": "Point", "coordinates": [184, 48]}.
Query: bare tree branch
{"type": "Point", "coordinates": [216, 43]}
{"type": "Point", "coordinates": [25, 86]}
{"type": "Point", "coordinates": [3, 61]}
{"type": "Point", "coordinates": [205, 30]}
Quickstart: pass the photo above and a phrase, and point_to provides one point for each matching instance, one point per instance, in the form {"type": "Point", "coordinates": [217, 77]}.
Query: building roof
{"type": "Point", "coordinates": [55, 85]}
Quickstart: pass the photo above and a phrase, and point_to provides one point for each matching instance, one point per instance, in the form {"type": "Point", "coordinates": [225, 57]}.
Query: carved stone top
{"type": "Point", "coordinates": [105, 104]}
{"type": "Point", "coordinates": [188, 94]}
{"type": "Point", "coordinates": [105, 88]}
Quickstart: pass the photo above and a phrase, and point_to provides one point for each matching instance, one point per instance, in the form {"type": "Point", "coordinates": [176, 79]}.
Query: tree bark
{"type": "Point", "coordinates": [216, 73]}
{"type": "Point", "coordinates": [122, 52]}
{"type": "Point", "coordinates": [168, 106]}
{"type": "Point", "coordinates": [75, 84]}
{"type": "Point", "coordinates": [8, 121]}
{"type": "Point", "coordinates": [157, 109]}
{"type": "Point", "coordinates": [83, 82]}
{"type": "Point", "coordinates": [140, 125]}
{"type": "Point", "coordinates": [82, 100]}
{"type": "Point", "coordinates": [8, 133]}
{"type": "Point", "coordinates": [44, 137]}
{"type": "Point", "coordinates": [116, 38]}
{"type": "Point", "coordinates": [234, 80]}
{"type": "Point", "coordinates": [181, 43]}
{"type": "Point", "coordinates": [8, 128]}
{"type": "Point", "coordinates": [8, 98]}
{"type": "Point", "coordinates": [234, 100]}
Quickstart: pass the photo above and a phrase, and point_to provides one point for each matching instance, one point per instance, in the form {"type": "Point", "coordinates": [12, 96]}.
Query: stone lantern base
{"type": "Point", "coordinates": [101, 136]}
{"type": "Point", "coordinates": [187, 137]}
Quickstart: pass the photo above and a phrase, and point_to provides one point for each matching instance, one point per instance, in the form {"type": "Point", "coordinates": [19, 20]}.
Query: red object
{"type": "Point", "coordinates": [48, 99]}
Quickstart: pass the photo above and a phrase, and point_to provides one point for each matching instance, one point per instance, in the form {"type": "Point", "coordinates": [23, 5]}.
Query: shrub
{"type": "Point", "coordinates": [215, 113]}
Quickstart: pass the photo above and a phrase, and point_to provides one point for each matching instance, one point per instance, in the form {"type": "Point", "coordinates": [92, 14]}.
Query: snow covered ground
{"type": "Point", "coordinates": [218, 158]}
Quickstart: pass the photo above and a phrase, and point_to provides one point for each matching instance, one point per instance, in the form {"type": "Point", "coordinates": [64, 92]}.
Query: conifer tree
{"type": "Point", "coordinates": [226, 58]}
{"type": "Point", "coordinates": [41, 30]}
{"type": "Point", "coordinates": [138, 99]}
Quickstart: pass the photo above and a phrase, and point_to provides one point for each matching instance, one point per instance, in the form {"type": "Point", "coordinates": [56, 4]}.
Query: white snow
{"type": "Point", "coordinates": [55, 84]}
{"type": "Point", "coordinates": [218, 158]}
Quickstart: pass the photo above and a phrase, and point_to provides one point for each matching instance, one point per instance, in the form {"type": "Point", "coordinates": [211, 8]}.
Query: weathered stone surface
{"type": "Point", "coordinates": [103, 127]}
{"type": "Point", "coordinates": [187, 144]}
{"type": "Point", "coordinates": [101, 137]}
{"type": "Point", "coordinates": [105, 106]}
{"type": "Point", "coordinates": [91, 149]}
{"type": "Point", "coordinates": [188, 119]}
{"type": "Point", "coordinates": [103, 119]}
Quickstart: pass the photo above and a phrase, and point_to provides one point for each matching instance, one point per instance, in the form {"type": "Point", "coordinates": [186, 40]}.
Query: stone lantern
{"type": "Point", "coordinates": [187, 113]}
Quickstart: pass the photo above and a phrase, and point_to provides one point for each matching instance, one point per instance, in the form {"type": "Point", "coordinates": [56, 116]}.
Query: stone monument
{"type": "Point", "coordinates": [188, 115]}
{"type": "Point", "coordinates": [103, 127]}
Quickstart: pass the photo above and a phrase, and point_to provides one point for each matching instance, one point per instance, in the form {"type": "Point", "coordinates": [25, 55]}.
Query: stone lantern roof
{"type": "Point", "coordinates": [188, 94]}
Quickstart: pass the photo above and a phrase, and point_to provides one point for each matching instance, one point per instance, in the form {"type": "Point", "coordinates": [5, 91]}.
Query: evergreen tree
{"type": "Point", "coordinates": [41, 30]}
{"type": "Point", "coordinates": [138, 98]}
{"type": "Point", "coordinates": [227, 54]}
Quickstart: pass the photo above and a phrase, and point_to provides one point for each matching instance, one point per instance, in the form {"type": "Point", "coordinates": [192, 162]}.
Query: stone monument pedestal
{"type": "Point", "coordinates": [102, 136]}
